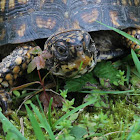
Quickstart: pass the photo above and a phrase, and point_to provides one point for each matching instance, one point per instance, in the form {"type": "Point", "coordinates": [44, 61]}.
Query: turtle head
{"type": "Point", "coordinates": [73, 53]}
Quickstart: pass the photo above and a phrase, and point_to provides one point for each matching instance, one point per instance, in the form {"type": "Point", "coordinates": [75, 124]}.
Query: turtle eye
{"type": "Point", "coordinates": [61, 50]}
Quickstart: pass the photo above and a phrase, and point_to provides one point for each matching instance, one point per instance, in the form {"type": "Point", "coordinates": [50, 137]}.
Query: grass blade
{"type": "Point", "coordinates": [128, 74]}
{"type": "Point", "coordinates": [49, 112]}
{"type": "Point", "coordinates": [121, 32]}
{"type": "Point", "coordinates": [108, 92]}
{"type": "Point", "coordinates": [10, 128]}
{"type": "Point", "coordinates": [136, 60]}
{"type": "Point", "coordinates": [37, 129]}
{"type": "Point", "coordinates": [73, 111]}
{"type": "Point", "coordinates": [44, 122]}
{"type": "Point", "coordinates": [134, 130]}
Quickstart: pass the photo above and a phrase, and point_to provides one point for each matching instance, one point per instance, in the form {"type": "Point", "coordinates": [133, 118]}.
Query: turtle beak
{"type": "Point", "coordinates": [79, 66]}
{"type": "Point", "coordinates": [83, 61]}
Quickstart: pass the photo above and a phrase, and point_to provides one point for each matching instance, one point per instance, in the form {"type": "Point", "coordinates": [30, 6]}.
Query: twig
{"type": "Point", "coordinates": [22, 126]}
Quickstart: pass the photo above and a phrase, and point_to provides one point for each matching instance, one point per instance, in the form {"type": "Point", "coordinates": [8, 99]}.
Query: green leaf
{"type": "Point", "coordinates": [10, 129]}
{"type": "Point", "coordinates": [136, 60]}
{"type": "Point", "coordinates": [77, 84]}
{"type": "Point", "coordinates": [78, 132]}
{"type": "Point", "coordinates": [106, 70]}
{"type": "Point", "coordinates": [32, 65]}
{"type": "Point", "coordinates": [37, 129]}
{"type": "Point", "coordinates": [36, 50]}
{"type": "Point", "coordinates": [17, 93]}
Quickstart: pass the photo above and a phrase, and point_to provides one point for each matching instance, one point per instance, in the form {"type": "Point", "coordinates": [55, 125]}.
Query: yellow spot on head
{"type": "Point", "coordinates": [18, 60]}
{"type": "Point", "coordinates": [68, 40]}
{"type": "Point", "coordinates": [16, 69]}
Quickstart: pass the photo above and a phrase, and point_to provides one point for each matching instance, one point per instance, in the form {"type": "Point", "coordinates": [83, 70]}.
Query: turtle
{"type": "Point", "coordinates": [73, 36]}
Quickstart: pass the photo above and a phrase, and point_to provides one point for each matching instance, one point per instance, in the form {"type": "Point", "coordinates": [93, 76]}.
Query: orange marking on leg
{"type": "Point", "coordinates": [24, 66]}
{"type": "Point", "coordinates": [18, 60]}
{"type": "Point", "coordinates": [8, 77]}
{"type": "Point", "coordinates": [5, 84]}
{"type": "Point", "coordinates": [16, 69]}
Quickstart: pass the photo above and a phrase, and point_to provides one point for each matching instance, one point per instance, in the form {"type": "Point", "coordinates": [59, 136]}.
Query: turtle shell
{"type": "Point", "coordinates": [26, 20]}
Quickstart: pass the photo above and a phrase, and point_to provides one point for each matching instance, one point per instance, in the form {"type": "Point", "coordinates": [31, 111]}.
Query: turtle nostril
{"type": "Point", "coordinates": [79, 47]}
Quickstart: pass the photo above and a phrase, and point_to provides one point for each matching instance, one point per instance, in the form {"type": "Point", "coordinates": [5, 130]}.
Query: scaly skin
{"type": "Point", "coordinates": [12, 67]}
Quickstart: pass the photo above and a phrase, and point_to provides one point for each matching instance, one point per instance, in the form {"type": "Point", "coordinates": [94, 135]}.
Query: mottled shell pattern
{"type": "Point", "coordinates": [26, 20]}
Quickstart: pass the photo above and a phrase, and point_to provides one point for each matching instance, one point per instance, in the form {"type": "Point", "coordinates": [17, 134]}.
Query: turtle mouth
{"type": "Point", "coordinates": [74, 69]}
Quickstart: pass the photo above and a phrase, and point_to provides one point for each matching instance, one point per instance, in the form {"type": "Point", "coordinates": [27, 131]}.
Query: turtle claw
{"type": "Point", "coordinates": [4, 101]}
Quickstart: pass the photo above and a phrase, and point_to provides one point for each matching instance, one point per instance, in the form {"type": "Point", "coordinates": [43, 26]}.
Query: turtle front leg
{"type": "Point", "coordinates": [12, 67]}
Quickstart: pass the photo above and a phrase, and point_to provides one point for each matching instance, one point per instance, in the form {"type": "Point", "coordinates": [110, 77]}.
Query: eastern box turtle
{"type": "Point", "coordinates": [69, 24]}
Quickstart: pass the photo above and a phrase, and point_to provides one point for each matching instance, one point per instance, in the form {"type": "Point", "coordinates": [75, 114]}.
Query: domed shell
{"type": "Point", "coordinates": [27, 20]}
